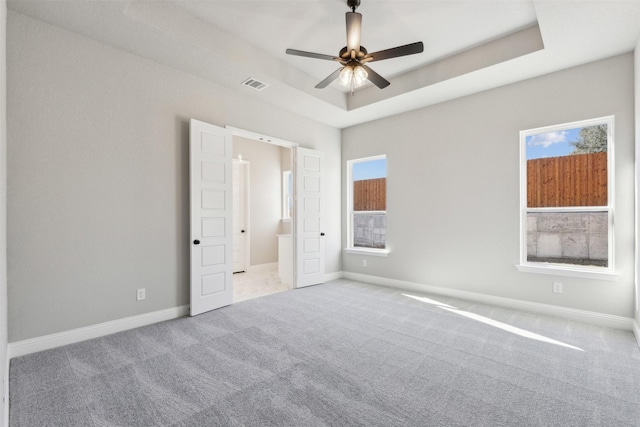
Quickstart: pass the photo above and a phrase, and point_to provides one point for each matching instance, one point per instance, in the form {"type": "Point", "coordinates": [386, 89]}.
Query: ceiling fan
{"type": "Point", "coordinates": [354, 57]}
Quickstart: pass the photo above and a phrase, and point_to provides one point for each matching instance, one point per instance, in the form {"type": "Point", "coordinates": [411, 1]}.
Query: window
{"type": "Point", "coordinates": [287, 192]}
{"type": "Point", "coordinates": [367, 205]}
{"type": "Point", "coordinates": [567, 199]}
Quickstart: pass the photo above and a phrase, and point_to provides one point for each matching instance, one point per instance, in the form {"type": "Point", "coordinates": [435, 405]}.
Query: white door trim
{"type": "Point", "coordinates": [260, 137]}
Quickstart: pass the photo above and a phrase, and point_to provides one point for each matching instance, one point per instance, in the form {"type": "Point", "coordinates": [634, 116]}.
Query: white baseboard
{"type": "Point", "coordinates": [584, 316]}
{"type": "Point", "coordinates": [33, 345]}
{"type": "Point", "coordinates": [262, 267]}
{"type": "Point", "coordinates": [332, 276]}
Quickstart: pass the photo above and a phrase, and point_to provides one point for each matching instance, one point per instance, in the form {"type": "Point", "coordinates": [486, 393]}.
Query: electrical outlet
{"type": "Point", "coordinates": [141, 294]}
{"type": "Point", "coordinates": [557, 287]}
{"type": "Point", "coordinates": [364, 262]}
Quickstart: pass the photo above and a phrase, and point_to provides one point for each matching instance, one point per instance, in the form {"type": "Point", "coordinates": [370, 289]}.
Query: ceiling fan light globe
{"type": "Point", "coordinates": [360, 76]}
{"type": "Point", "coordinates": [346, 76]}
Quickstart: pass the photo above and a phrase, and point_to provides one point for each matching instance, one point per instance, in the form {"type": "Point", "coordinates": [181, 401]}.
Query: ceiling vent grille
{"type": "Point", "coordinates": [256, 84]}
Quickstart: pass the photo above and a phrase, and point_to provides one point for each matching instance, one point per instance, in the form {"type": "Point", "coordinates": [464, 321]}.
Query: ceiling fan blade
{"type": "Point", "coordinates": [326, 82]}
{"type": "Point", "coordinates": [376, 78]}
{"type": "Point", "coordinates": [354, 29]}
{"type": "Point", "coordinates": [394, 52]}
{"type": "Point", "coordinates": [311, 55]}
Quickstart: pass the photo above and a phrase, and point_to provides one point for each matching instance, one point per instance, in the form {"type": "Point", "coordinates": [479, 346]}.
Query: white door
{"type": "Point", "coordinates": [309, 225]}
{"type": "Point", "coordinates": [211, 216]}
{"type": "Point", "coordinates": [240, 203]}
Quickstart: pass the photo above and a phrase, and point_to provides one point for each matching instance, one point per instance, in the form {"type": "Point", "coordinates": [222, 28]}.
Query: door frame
{"type": "Point", "coordinates": [282, 143]}
{"type": "Point", "coordinates": [247, 209]}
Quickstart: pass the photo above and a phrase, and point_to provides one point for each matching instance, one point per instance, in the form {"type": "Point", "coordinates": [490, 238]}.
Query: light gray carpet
{"type": "Point", "coordinates": [339, 354]}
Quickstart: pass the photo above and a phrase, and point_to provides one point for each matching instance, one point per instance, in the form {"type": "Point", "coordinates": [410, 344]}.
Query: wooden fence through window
{"type": "Point", "coordinates": [575, 180]}
{"type": "Point", "coordinates": [370, 195]}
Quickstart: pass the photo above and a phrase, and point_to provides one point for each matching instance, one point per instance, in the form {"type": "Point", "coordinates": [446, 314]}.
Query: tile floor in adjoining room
{"type": "Point", "coordinates": [257, 281]}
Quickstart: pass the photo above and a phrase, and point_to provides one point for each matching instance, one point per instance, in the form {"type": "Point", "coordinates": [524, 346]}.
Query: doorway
{"type": "Point", "coordinates": [260, 225]}
{"type": "Point", "coordinates": [211, 214]}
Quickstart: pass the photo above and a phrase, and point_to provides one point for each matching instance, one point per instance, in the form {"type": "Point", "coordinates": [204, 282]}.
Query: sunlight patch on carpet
{"type": "Point", "coordinates": [487, 321]}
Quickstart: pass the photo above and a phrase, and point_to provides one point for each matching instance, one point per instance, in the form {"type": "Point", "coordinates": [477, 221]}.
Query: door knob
{"type": "Point", "coordinates": [242, 231]}
{"type": "Point", "coordinates": [322, 234]}
{"type": "Point", "coordinates": [196, 242]}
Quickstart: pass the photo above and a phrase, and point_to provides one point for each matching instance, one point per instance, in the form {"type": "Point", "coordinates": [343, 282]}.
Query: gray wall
{"type": "Point", "coordinates": [265, 193]}
{"type": "Point", "coordinates": [3, 207]}
{"type": "Point", "coordinates": [453, 186]}
{"type": "Point", "coordinates": [98, 177]}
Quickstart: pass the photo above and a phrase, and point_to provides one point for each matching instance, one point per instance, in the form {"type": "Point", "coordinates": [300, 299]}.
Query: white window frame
{"type": "Point", "coordinates": [287, 196]}
{"type": "Point", "coordinates": [350, 213]}
{"type": "Point", "coordinates": [587, 272]}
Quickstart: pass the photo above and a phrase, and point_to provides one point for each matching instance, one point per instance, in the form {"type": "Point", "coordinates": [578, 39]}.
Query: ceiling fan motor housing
{"type": "Point", "coordinates": [345, 54]}
{"type": "Point", "coordinates": [353, 4]}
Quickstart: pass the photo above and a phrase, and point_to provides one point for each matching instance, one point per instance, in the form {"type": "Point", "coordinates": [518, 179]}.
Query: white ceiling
{"type": "Point", "coordinates": [470, 46]}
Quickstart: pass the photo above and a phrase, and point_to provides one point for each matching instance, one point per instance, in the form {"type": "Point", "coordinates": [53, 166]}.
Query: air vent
{"type": "Point", "coordinates": [256, 84]}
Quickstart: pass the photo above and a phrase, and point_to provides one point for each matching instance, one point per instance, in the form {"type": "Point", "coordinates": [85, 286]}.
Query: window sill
{"type": "Point", "coordinates": [364, 251]}
{"type": "Point", "coordinates": [562, 270]}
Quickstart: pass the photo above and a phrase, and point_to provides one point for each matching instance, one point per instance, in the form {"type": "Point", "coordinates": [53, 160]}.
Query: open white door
{"type": "Point", "coordinates": [211, 217]}
{"type": "Point", "coordinates": [309, 224]}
